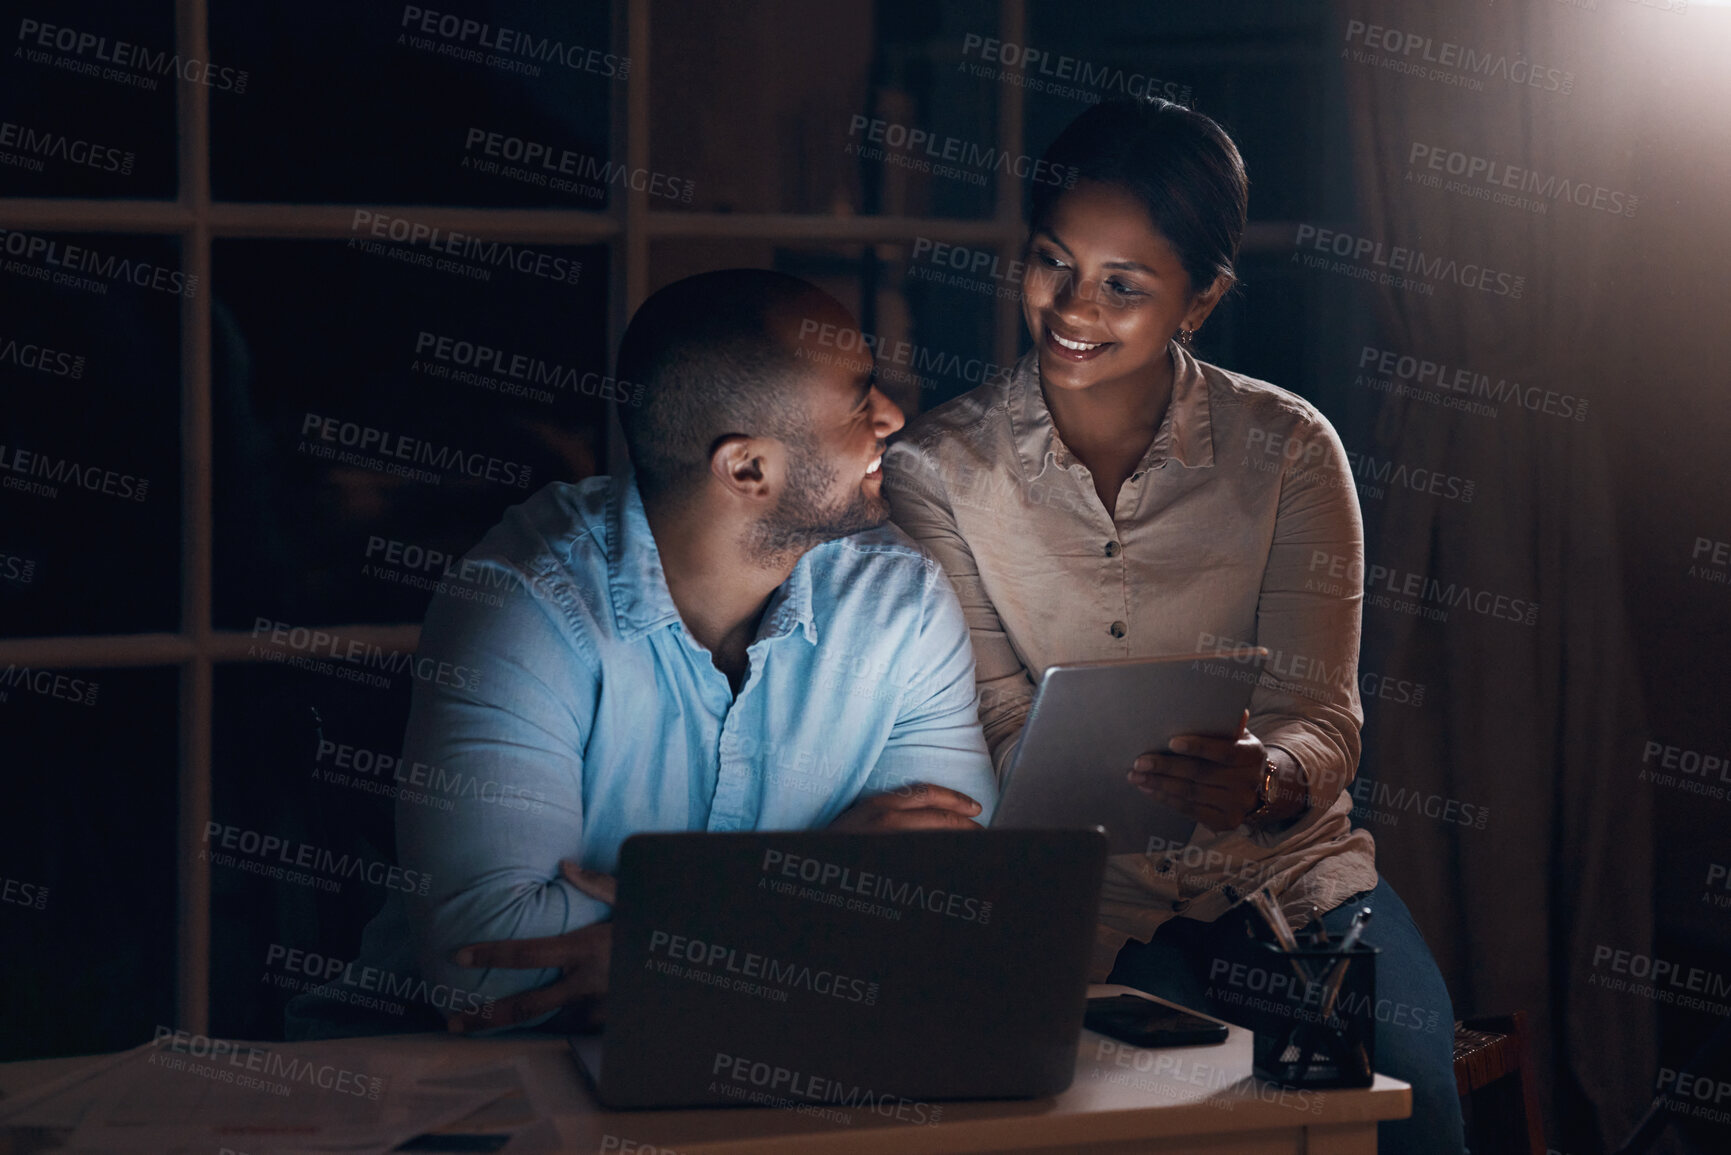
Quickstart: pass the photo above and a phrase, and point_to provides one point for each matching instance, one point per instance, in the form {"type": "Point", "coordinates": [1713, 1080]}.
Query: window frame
{"type": "Point", "coordinates": [627, 227]}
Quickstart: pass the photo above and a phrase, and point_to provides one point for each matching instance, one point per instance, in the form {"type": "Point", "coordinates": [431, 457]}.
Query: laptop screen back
{"type": "Point", "coordinates": [819, 967]}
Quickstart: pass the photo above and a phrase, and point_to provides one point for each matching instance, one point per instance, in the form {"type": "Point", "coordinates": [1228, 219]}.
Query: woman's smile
{"type": "Point", "coordinates": [1071, 348]}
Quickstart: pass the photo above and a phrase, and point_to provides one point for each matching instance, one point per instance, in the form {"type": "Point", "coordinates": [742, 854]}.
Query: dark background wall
{"type": "Point", "coordinates": [750, 108]}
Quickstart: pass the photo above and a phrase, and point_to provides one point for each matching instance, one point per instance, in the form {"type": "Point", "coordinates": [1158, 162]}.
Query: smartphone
{"type": "Point", "coordinates": [1146, 1023]}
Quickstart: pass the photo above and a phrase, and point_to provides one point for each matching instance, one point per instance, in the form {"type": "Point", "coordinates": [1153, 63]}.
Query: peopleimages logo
{"type": "Point", "coordinates": [757, 1081]}
{"type": "Point", "coordinates": [40, 358]}
{"type": "Point", "coordinates": [58, 260]}
{"type": "Point", "coordinates": [29, 463]}
{"type": "Point", "coordinates": [370, 769]}
{"type": "Point", "coordinates": [1496, 176]}
{"type": "Point", "coordinates": [438, 572]}
{"type": "Point", "coordinates": [1315, 677]}
{"type": "Point", "coordinates": [523, 368]}
{"type": "Point", "coordinates": [1174, 1072]}
{"type": "Point", "coordinates": [897, 359]}
{"type": "Point", "coordinates": [1406, 592]}
{"type": "Point", "coordinates": [506, 49]}
{"type": "Point", "coordinates": [23, 893]}
{"type": "Point", "coordinates": [1363, 257]}
{"type": "Point", "coordinates": [1691, 771]}
{"type": "Point", "coordinates": [1718, 879]}
{"type": "Point", "coordinates": [877, 887]}
{"type": "Point", "coordinates": [1375, 472]}
{"type": "Point", "coordinates": [1442, 377]}
{"type": "Point", "coordinates": [1386, 801]}
{"type": "Point", "coordinates": [1718, 558]}
{"type": "Point", "coordinates": [1462, 66]}
{"type": "Point", "coordinates": [358, 985]}
{"type": "Point", "coordinates": [270, 1064]}
{"type": "Point", "coordinates": [721, 961]}
{"type": "Point", "coordinates": [1058, 75]}
{"type": "Point", "coordinates": [121, 55]}
{"type": "Point", "coordinates": [978, 269]}
{"type": "Point", "coordinates": [16, 569]}
{"type": "Point", "coordinates": [933, 148]}
{"type": "Point", "coordinates": [260, 848]}
{"type": "Point", "coordinates": [38, 145]}
{"type": "Point", "coordinates": [549, 165]}
{"type": "Point", "coordinates": [1663, 980]}
{"type": "Point", "coordinates": [315, 643]}
{"type": "Point", "coordinates": [451, 244]}
{"type": "Point", "coordinates": [1701, 1096]}
{"type": "Point", "coordinates": [367, 439]}
{"type": "Point", "coordinates": [48, 684]}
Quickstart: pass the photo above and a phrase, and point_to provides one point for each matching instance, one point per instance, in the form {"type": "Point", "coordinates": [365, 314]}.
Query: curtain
{"type": "Point", "coordinates": [1533, 718]}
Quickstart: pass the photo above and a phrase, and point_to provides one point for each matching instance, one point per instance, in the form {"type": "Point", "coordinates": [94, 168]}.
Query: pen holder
{"type": "Point", "coordinates": [1323, 1034]}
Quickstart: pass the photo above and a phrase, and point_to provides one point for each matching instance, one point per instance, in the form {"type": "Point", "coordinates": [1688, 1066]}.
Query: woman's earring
{"type": "Point", "coordinates": [1184, 335]}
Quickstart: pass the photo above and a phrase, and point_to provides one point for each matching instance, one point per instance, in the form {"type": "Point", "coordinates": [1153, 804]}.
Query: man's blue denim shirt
{"type": "Point", "coordinates": [590, 713]}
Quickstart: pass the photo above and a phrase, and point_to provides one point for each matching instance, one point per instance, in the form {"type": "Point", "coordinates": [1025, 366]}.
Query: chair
{"type": "Point", "coordinates": [1496, 1081]}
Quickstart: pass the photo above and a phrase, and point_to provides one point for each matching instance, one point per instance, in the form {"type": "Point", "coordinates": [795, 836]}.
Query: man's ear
{"type": "Point", "coordinates": [748, 467]}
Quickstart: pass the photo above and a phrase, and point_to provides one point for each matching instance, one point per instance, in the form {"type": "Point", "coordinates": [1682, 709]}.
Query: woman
{"type": "Point", "coordinates": [1116, 498]}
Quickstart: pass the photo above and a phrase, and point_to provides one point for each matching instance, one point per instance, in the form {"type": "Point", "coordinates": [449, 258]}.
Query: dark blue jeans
{"type": "Point", "coordinates": [1190, 963]}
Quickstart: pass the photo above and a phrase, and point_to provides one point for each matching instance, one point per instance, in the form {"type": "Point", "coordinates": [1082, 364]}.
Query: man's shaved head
{"type": "Point", "coordinates": [716, 355]}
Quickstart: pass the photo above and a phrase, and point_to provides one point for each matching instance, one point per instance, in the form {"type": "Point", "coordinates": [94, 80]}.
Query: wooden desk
{"type": "Point", "coordinates": [1124, 1099]}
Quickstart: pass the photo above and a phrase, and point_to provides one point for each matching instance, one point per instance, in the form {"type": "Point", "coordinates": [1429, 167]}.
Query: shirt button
{"type": "Point", "coordinates": [1179, 906]}
{"type": "Point", "coordinates": [1119, 629]}
{"type": "Point", "coordinates": [1112, 549]}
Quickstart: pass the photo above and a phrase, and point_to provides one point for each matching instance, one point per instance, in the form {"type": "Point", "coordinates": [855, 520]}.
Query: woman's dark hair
{"type": "Point", "coordinates": [1180, 164]}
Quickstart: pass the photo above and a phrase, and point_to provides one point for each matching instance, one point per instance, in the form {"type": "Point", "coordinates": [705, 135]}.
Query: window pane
{"type": "Point", "coordinates": [89, 433]}
{"type": "Point", "coordinates": [87, 99]}
{"type": "Point", "coordinates": [1260, 70]}
{"type": "Point", "coordinates": [274, 777]}
{"type": "Point", "coordinates": [374, 416]}
{"type": "Point", "coordinates": [87, 858]}
{"type": "Point", "coordinates": [932, 343]}
{"type": "Point", "coordinates": [793, 107]}
{"type": "Point", "coordinates": [505, 104]}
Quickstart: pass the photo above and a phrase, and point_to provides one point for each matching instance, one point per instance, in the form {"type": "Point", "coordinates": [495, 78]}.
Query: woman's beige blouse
{"type": "Point", "coordinates": [1239, 525]}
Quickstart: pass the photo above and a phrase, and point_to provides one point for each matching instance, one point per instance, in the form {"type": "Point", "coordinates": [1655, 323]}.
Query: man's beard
{"type": "Point", "coordinates": [798, 522]}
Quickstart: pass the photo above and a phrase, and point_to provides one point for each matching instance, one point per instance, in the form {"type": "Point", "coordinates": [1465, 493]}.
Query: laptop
{"type": "Point", "coordinates": [1090, 720]}
{"type": "Point", "coordinates": [820, 968]}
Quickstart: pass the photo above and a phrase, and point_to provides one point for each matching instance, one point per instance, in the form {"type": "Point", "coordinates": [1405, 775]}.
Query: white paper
{"type": "Point", "coordinates": [265, 1099]}
{"type": "Point", "coordinates": [62, 1102]}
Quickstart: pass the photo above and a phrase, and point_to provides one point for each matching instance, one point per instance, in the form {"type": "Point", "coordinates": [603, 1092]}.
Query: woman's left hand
{"type": "Point", "coordinates": [1212, 780]}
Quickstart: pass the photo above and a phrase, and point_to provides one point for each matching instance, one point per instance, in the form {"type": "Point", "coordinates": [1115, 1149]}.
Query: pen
{"type": "Point", "coordinates": [1270, 910]}
{"type": "Point", "coordinates": [1318, 932]}
{"type": "Point", "coordinates": [1264, 905]}
{"type": "Point", "coordinates": [1350, 939]}
{"type": "Point", "coordinates": [1347, 942]}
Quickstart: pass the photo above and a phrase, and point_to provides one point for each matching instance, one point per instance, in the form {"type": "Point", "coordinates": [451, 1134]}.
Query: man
{"type": "Point", "coordinates": [728, 639]}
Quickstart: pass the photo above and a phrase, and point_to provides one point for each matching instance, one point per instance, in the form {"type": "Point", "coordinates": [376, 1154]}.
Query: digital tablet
{"type": "Point", "coordinates": [1090, 721]}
